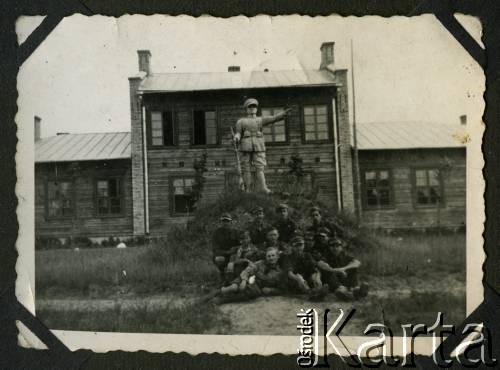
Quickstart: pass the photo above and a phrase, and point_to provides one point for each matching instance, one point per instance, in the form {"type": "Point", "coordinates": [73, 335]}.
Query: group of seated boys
{"type": "Point", "coordinates": [277, 259]}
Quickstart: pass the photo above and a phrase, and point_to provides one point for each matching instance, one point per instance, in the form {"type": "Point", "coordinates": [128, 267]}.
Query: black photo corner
{"type": "Point", "coordinates": [58, 356]}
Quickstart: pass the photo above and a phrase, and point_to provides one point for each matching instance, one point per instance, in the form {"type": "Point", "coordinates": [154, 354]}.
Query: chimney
{"type": "Point", "coordinates": [326, 54]}
{"type": "Point", "coordinates": [144, 61]}
{"type": "Point", "coordinates": [463, 119]}
{"type": "Point", "coordinates": [38, 128]}
{"type": "Point", "coordinates": [233, 68]}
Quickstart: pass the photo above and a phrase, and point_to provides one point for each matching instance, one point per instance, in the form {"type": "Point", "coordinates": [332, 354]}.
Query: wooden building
{"type": "Point", "coordinates": [176, 117]}
{"type": "Point", "coordinates": [413, 175]}
{"type": "Point", "coordinates": [83, 185]}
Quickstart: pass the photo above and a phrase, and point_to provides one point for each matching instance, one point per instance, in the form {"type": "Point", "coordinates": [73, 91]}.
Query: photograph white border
{"type": "Point", "coordinates": [223, 344]}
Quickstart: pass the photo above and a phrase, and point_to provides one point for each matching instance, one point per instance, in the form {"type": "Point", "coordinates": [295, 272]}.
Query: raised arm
{"type": "Point", "coordinates": [277, 117]}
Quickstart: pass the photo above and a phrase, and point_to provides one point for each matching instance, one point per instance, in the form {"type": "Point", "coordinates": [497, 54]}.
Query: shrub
{"type": "Point", "coordinates": [81, 242]}
{"type": "Point", "coordinates": [44, 242]}
{"type": "Point", "coordinates": [240, 205]}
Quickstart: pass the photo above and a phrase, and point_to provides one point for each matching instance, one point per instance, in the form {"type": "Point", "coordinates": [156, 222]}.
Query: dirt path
{"type": "Point", "coordinates": [277, 315]}
{"type": "Point", "coordinates": [270, 315]}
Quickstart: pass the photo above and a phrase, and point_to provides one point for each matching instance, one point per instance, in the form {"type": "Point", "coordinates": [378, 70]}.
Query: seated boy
{"type": "Point", "coordinates": [303, 275]}
{"type": "Point", "coordinates": [285, 225]}
{"type": "Point", "coordinates": [272, 241]}
{"type": "Point", "coordinates": [318, 221]}
{"type": "Point", "coordinates": [243, 256]}
{"type": "Point", "coordinates": [224, 241]}
{"type": "Point", "coordinates": [258, 226]}
{"type": "Point", "coordinates": [320, 242]}
{"type": "Point", "coordinates": [269, 276]}
{"type": "Point", "coordinates": [340, 271]}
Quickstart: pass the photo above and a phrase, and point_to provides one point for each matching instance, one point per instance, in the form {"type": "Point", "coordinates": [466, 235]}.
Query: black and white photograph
{"type": "Point", "coordinates": [215, 177]}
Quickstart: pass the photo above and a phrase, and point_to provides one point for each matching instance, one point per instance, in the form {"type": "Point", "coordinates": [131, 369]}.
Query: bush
{"type": "Point", "coordinates": [82, 242]}
{"type": "Point", "coordinates": [44, 242]}
{"type": "Point", "coordinates": [199, 229]}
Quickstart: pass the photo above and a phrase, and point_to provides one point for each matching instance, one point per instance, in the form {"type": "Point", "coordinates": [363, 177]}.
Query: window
{"type": "Point", "coordinates": [162, 128]}
{"type": "Point", "coordinates": [183, 201]}
{"type": "Point", "coordinates": [377, 192]}
{"type": "Point", "coordinates": [275, 132]}
{"type": "Point", "coordinates": [204, 127]}
{"type": "Point", "coordinates": [60, 198]}
{"type": "Point", "coordinates": [427, 187]}
{"type": "Point", "coordinates": [109, 196]}
{"type": "Point", "coordinates": [316, 122]}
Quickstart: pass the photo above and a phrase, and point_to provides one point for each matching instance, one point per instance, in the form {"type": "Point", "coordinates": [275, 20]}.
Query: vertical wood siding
{"type": "Point", "coordinates": [318, 158]}
{"type": "Point", "coordinates": [86, 222]}
{"type": "Point", "coordinates": [404, 213]}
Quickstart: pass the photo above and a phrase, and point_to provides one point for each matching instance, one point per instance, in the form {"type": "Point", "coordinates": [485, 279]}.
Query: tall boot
{"type": "Point", "coordinates": [261, 180]}
{"type": "Point", "coordinates": [247, 179]}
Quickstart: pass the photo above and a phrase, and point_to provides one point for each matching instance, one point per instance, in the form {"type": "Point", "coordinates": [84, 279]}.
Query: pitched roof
{"type": "Point", "coordinates": [83, 147]}
{"type": "Point", "coordinates": [409, 135]}
{"type": "Point", "coordinates": [171, 82]}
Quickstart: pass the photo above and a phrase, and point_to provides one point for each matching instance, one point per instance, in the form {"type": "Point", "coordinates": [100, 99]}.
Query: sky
{"type": "Point", "coordinates": [405, 69]}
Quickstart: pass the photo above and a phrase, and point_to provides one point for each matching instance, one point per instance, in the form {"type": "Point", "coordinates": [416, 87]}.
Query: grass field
{"type": "Point", "coordinates": [412, 277]}
{"type": "Point", "coordinates": [156, 268]}
{"type": "Point", "coordinates": [100, 272]}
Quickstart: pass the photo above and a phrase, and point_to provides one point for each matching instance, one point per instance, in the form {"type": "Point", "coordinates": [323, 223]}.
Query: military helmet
{"type": "Point", "coordinates": [249, 102]}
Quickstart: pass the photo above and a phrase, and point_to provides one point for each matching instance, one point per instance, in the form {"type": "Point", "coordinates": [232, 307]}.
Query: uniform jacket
{"type": "Point", "coordinates": [339, 261]}
{"type": "Point", "coordinates": [258, 231]}
{"type": "Point", "coordinates": [249, 131]}
{"type": "Point", "coordinates": [303, 264]}
{"type": "Point", "coordinates": [286, 229]}
{"type": "Point", "coordinates": [224, 241]}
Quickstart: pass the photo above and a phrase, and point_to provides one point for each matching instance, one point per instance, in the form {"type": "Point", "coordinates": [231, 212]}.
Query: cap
{"type": "Point", "coordinates": [257, 209]}
{"type": "Point", "coordinates": [336, 241]}
{"type": "Point", "coordinates": [225, 216]}
{"type": "Point", "coordinates": [249, 102]}
{"type": "Point", "coordinates": [323, 230]}
{"type": "Point", "coordinates": [281, 206]}
{"type": "Point", "coordinates": [297, 239]}
{"type": "Point", "coordinates": [314, 209]}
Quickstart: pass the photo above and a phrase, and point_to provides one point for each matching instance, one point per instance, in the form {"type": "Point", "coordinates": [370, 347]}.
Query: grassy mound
{"type": "Point", "coordinates": [194, 239]}
{"type": "Point", "coordinates": [241, 204]}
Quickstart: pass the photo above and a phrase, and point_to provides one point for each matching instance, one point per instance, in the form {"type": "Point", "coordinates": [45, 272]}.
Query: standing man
{"type": "Point", "coordinates": [252, 145]}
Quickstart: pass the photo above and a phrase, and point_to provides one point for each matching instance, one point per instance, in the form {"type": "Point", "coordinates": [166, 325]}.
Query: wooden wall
{"type": "Point", "coordinates": [164, 163]}
{"type": "Point", "coordinates": [86, 222]}
{"type": "Point", "coordinates": [404, 213]}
